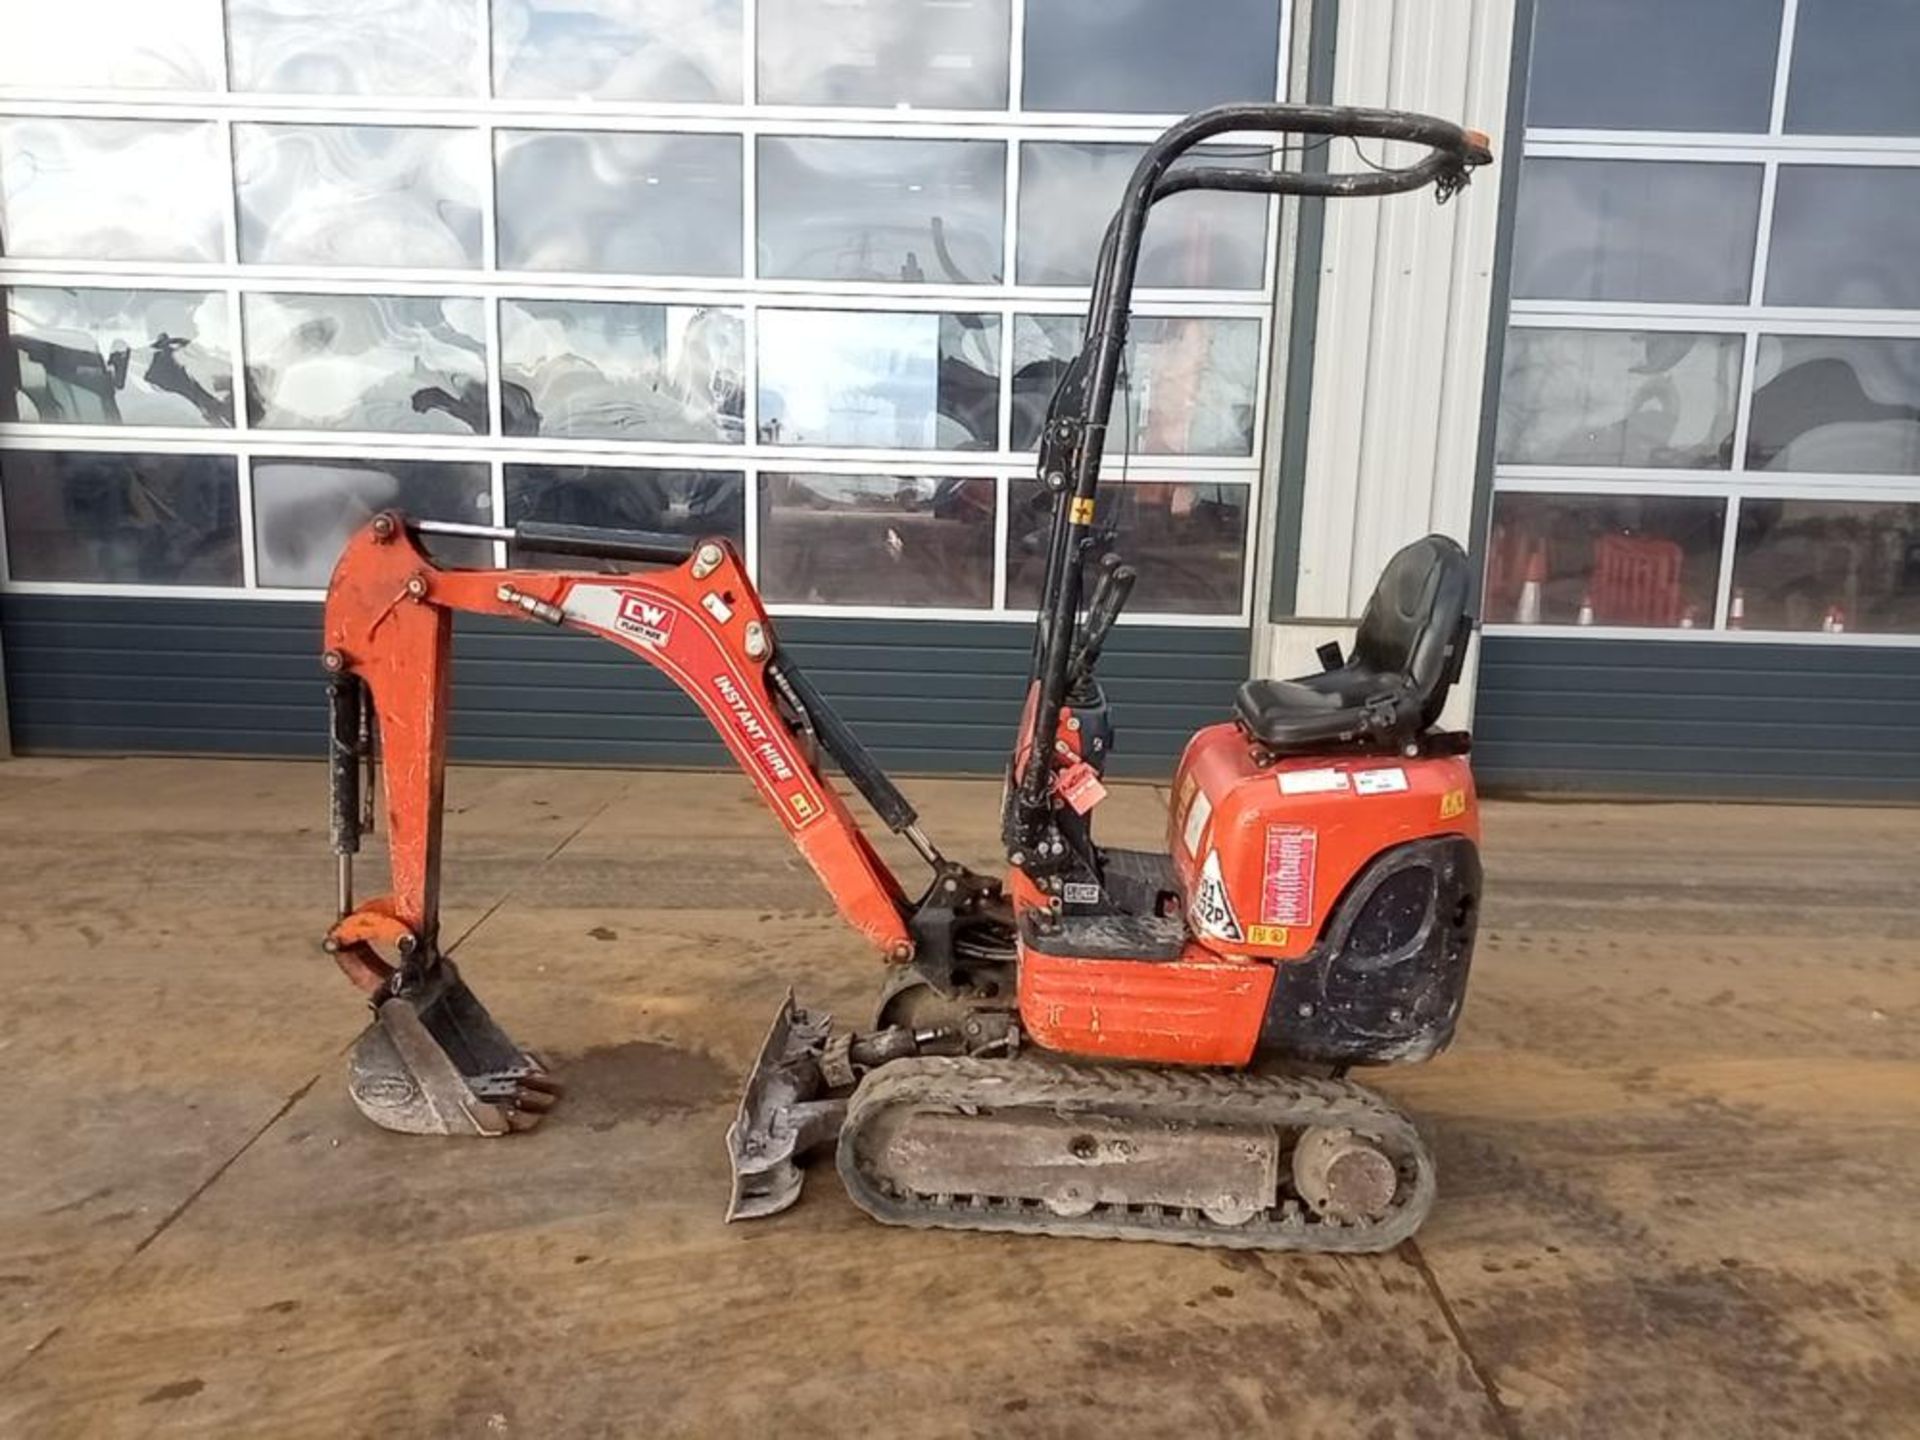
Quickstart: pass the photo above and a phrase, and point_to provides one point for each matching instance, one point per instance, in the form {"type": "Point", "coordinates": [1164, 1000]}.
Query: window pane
{"type": "Point", "coordinates": [1623, 560]}
{"type": "Point", "coordinates": [365, 362]}
{"type": "Point", "coordinates": [630, 204]}
{"type": "Point", "coordinates": [122, 519]}
{"type": "Point", "coordinates": [628, 372]}
{"type": "Point", "coordinates": [1656, 230]}
{"type": "Point", "coordinates": [909, 210]}
{"type": "Point", "coordinates": [1836, 405]}
{"type": "Point", "coordinates": [1148, 56]}
{"type": "Point", "coordinates": [666, 50]}
{"type": "Point", "coordinates": [1069, 190]}
{"type": "Point", "coordinates": [1854, 63]}
{"type": "Point", "coordinates": [359, 195]}
{"type": "Point", "coordinates": [1845, 236]}
{"type": "Point", "coordinates": [694, 503]}
{"type": "Point", "coordinates": [305, 511]}
{"type": "Point", "coordinates": [876, 540]}
{"type": "Point", "coordinates": [117, 44]}
{"type": "Point", "coordinates": [1653, 64]}
{"type": "Point", "coordinates": [900, 380]}
{"type": "Point", "coordinates": [937, 54]}
{"type": "Point", "coordinates": [118, 357]}
{"type": "Point", "coordinates": [1826, 564]}
{"type": "Point", "coordinates": [1618, 397]}
{"type": "Point", "coordinates": [111, 190]}
{"type": "Point", "coordinates": [354, 47]}
{"type": "Point", "coordinates": [1186, 542]}
{"type": "Point", "coordinates": [1192, 383]}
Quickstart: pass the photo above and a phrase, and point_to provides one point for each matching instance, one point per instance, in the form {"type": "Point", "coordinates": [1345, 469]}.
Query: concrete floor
{"type": "Point", "coordinates": [1679, 1141]}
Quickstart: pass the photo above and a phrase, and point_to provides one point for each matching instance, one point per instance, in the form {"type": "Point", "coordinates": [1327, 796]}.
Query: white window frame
{"type": "Point", "coordinates": [1749, 321]}
{"type": "Point", "coordinates": [748, 293]}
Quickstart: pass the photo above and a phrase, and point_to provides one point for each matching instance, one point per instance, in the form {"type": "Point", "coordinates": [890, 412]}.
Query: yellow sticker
{"type": "Point", "coordinates": [1453, 804]}
{"type": "Point", "coordinates": [1266, 935]}
{"type": "Point", "coordinates": [801, 806]}
{"type": "Point", "coordinates": [1082, 512]}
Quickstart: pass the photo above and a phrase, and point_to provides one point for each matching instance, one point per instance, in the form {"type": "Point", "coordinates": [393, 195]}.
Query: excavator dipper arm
{"type": "Point", "coordinates": [433, 1061]}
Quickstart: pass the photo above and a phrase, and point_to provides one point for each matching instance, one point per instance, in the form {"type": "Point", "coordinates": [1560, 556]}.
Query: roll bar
{"type": "Point", "coordinates": [1073, 440]}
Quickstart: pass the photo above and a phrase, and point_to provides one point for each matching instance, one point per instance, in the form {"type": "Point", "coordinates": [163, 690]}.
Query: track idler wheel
{"type": "Point", "coordinates": [1341, 1176]}
{"type": "Point", "coordinates": [433, 1062]}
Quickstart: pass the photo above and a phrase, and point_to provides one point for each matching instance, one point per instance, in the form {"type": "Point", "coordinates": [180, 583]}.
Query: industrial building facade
{"type": "Point", "coordinates": [804, 272]}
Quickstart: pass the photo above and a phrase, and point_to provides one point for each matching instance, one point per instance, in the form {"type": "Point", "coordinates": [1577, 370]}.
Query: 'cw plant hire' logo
{"type": "Point", "coordinates": [642, 617]}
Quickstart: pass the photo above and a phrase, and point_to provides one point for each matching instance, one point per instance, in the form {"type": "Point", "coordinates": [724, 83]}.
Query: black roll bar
{"type": "Point", "coordinates": [1074, 439]}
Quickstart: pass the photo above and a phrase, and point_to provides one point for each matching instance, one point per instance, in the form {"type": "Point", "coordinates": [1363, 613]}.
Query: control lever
{"type": "Point", "coordinates": [1109, 599]}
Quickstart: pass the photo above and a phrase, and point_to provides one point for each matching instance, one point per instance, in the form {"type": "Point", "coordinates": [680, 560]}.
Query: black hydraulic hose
{"type": "Point", "coordinates": [587, 540]}
{"type": "Point", "coordinates": [1455, 152]}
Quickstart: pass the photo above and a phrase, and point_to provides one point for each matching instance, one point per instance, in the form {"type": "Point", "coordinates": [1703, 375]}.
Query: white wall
{"type": "Point", "coordinates": [1405, 287]}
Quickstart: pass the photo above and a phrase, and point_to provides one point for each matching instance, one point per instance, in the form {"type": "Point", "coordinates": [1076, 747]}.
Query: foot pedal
{"type": "Point", "coordinates": [433, 1062]}
{"type": "Point", "coordinates": [780, 1115]}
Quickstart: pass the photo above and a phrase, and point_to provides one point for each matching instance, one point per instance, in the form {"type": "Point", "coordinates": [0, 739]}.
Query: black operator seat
{"type": "Point", "coordinates": [1406, 657]}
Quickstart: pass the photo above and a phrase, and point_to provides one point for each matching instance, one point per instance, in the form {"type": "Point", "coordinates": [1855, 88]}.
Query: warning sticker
{"type": "Point", "coordinates": [1453, 804]}
{"type": "Point", "coordinates": [1275, 935]}
{"type": "Point", "coordinates": [1198, 813]}
{"type": "Point", "coordinates": [1080, 892]}
{"type": "Point", "coordinates": [1379, 782]}
{"type": "Point", "coordinates": [1286, 891]}
{"type": "Point", "coordinates": [1312, 782]}
{"type": "Point", "coordinates": [1211, 913]}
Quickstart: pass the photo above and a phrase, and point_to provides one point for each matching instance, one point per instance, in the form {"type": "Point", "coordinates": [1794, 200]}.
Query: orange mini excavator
{"type": "Point", "coordinates": [1103, 1042]}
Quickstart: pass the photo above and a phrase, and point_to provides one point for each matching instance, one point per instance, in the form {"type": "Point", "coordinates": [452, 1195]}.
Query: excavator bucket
{"type": "Point", "coordinates": [782, 1114]}
{"type": "Point", "coordinates": [433, 1062]}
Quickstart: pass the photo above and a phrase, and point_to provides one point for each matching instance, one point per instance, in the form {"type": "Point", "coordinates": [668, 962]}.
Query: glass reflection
{"type": "Point", "coordinates": [116, 44]}
{"type": "Point", "coordinates": [1853, 68]}
{"type": "Point", "coordinates": [695, 503]}
{"type": "Point", "coordinates": [876, 540]}
{"type": "Point", "coordinates": [365, 362]}
{"type": "Point", "coordinates": [1187, 541]}
{"type": "Point", "coordinates": [1836, 405]}
{"type": "Point", "coordinates": [1604, 560]}
{"type": "Point", "coordinates": [121, 519]}
{"type": "Point", "coordinates": [118, 357]}
{"type": "Point", "coordinates": [935, 54]}
{"type": "Point", "coordinates": [1653, 65]}
{"type": "Point", "coordinates": [628, 372]}
{"type": "Point", "coordinates": [354, 47]}
{"type": "Point", "coordinates": [619, 203]}
{"type": "Point", "coordinates": [1657, 230]}
{"type": "Point", "coordinates": [917, 211]}
{"type": "Point", "coordinates": [359, 195]}
{"type": "Point", "coordinates": [1828, 565]}
{"type": "Point", "coordinates": [305, 511]}
{"type": "Point", "coordinates": [1189, 384]}
{"type": "Point", "coordinates": [111, 190]}
{"type": "Point", "coordinates": [662, 50]}
{"type": "Point", "coordinates": [1147, 56]}
{"type": "Point", "coordinates": [883, 378]}
{"type": "Point", "coordinates": [1845, 236]}
{"type": "Point", "coordinates": [1618, 397]}
{"type": "Point", "coordinates": [1069, 190]}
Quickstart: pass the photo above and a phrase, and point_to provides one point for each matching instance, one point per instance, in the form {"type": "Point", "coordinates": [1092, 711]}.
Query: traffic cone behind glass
{"type": "Point", "coordinates": [1737, 611]}
{"type": "Point", "coordinates": [1527, 612]}
{"type": "Point", "coordinates": [1586, 609]}
{"type": "Point", "coordinates": [1836, 621]}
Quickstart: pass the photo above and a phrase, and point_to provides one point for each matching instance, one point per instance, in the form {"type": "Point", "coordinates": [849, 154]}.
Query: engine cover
{"type": "Point", "coordinates": [1264, 852]}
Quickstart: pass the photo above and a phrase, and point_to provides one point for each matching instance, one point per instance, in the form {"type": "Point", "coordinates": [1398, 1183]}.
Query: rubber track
{"type": "Point", "coordinates": [961, 1086]}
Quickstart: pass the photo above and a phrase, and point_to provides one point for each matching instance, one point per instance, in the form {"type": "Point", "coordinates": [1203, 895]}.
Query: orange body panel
{"type": "Point", "coordinates": [389, 621]}
{"type": "Point", "coordinates": [1264, 852]}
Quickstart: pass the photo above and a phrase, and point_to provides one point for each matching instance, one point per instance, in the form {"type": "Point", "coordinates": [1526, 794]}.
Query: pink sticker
{"type": "Point", "coordinates": [1286, 892]}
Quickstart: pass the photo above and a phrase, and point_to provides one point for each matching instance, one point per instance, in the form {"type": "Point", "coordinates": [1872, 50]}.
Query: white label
{"type": "Point", "coordinates": [1211, 912]}
{"type": "Point", "coordinates": [1379, 782]}
{"type": "Point", "coordinates": [1080, 892]}
{"type": "Point", "coordinates": [1312, 782]}
{"type": "Point", "coordinates": [1198, 813]}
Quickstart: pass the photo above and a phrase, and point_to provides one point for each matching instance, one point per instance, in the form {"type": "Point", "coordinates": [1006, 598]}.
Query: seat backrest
{"type": "Point", "coordinates": [1416, 625]}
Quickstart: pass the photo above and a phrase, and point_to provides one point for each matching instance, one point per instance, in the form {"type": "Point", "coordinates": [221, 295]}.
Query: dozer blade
{"type": "Point", "coordinates": [433, 1062]}
{"type": "Point", "coordinates": [781, 1115]}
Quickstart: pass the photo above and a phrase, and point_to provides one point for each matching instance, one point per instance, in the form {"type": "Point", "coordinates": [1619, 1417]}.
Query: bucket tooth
{"type": "Point", "coordinates": [434, 1062]}
{"type": "Point", "coordinates": [781, 1115]}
